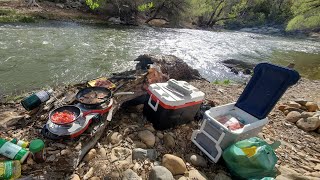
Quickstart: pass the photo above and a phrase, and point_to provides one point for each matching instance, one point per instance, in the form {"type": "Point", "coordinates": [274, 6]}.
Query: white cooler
{"type": "Point", "coordinates": [263, 91]}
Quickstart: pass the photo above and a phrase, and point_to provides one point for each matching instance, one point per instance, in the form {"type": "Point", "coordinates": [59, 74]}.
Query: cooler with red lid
{"type": "Point", "coordinates": [172, 103]}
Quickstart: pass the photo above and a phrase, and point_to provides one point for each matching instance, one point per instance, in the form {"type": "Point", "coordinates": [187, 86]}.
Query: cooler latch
{"type": "Point", "coordinates": [155, 107]}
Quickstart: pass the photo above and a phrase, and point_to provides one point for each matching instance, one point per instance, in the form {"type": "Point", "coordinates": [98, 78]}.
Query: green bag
{"type": "Point", "coordinates": [251, 158]}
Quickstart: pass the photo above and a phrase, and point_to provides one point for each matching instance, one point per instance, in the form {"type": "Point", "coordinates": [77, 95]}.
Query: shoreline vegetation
{"type": "Point", "coordinates": [106, 13]}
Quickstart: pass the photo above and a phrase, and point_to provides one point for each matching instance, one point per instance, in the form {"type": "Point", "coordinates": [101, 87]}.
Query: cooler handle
{"type": "Point", "coordinates": [155, 107]}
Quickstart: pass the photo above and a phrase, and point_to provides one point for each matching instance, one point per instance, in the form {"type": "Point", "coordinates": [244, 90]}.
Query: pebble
{"type": "Point", "coordinates": [293, 116]}
{"type": "Point", "coordinates": [294, 104]}
{"type": "Point", "coordinates": [174, 164]}
{"type": "Point", "coordinates": [65, 152]}
{"type": "Point", "coordinates": [317, 167]}
{"type": "Point", "coordinates": [147, 137]}
{"type": "Point", "coordinates": [122, 155]}
{"type": "Point", "coordinates": [160, 173]}
{"type": "Point", "coordinates": [91, 154]}
{"type": "Point", "coordinates": [169, 141]}
{"type": "Point", "coordinates": [51, 158]}
{"type": "Point", "coordinates": [115, 137]}
{"type": "Point", "coordinates": [159, 135]}
{"type": "Point", "coordinates": [74, 177]}
{"type": "Point", "coordinates": [53, 152]}
{"type": "Point", "coordinates": [197, 160]}
{"type": "Point", "coordinates": [102, 152]}
{"type": "Point", "coordinates": [138, 144]}
{"type": "Point", "coordinates": [59, 145]}
{"type": "Point", "coordinates": [142, 154]}
{"type": "Point", "coordinates": [89, 174]}
{"type": "Point", "coordinates": [130, 175]}
{"type": "Point", "coordinates": [307, 114]}
{"type": "Point", "coordinates": [195, 174]}
{"type": "Point", "coordinates": [309, 124]}
{"type": "Point", "coordinates": [312, 106]}
{"type": "Point", "coordinates": [95, 178]}
{"type": "Point", "coordinates": [150, 128]}
{"type": "Point", "coordinates": [222, 176]}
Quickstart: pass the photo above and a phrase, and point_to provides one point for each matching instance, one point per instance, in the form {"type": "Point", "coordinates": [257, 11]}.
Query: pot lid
{"type": "Point", "coordinates": [268, 83]}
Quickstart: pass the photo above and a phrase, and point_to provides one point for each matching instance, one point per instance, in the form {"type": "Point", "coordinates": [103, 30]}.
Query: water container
{"type": "Point", "coordinates": [13, 151]}
{"type": "Point", "coordinates": [10, 170]}
{"type": "Point", "coordinates": [34, 101]}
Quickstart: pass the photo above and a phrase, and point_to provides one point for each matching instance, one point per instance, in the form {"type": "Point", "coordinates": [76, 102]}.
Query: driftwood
{"type": "Point", "coordinates": [149, 69]}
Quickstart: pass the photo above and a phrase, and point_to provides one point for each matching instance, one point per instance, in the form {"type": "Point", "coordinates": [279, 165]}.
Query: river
{"type": "Point", "coordinates": [34, 56]}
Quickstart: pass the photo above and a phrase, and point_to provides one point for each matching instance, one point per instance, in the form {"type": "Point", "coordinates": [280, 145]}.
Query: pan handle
{"type": "Point", "coordinates": [123, 93]}
{"type": "Point", "coordinates": [96, 111]}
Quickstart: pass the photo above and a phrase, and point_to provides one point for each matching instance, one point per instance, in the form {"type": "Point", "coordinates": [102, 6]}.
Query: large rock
{"type": "Point", "coordinates": [160, 173]}
{"type": "Point", "coordinates": [169, 141]}
{"type": "Point", "coordinates": [174, 164]}
{"type": "Point", "coordinates": [312, 106]}
{"type": "Point", "coordinates": [130, 175]}
{"type": "Point", "coordinates": [237, 66]}
{"type": "Point", "coordinates": [293, 116]}
{"type": "Point", "coordinates": [147, 137]}
{"type": "Point", "coordinates": [309, 124]}
{"type": "Point", "coordinates": [142, 154]}
{"type": "Point", "coordinates": [195, 174]}
{"type": "Point", "coordinates": [158, 22]}
{"type": "Point", "coordinates": [197, 160]}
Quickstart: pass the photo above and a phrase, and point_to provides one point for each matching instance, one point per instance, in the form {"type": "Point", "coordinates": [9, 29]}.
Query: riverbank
{"type": "Point", "coordinates": [118, 148]}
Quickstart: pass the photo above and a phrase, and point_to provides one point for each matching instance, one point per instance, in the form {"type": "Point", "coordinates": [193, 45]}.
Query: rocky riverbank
{"type": "Point", "coordinates": [130, 148]}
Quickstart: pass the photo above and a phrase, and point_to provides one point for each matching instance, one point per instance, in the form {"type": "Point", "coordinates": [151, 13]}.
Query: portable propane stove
{"type": "Point", "coordinates": [75, 129]}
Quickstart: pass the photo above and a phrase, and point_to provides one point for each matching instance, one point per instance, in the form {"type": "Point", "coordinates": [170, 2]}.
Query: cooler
{"type": "Point", "coordinates": [263, 91]}
{"type": "Point", "coordinates": [172, 103]}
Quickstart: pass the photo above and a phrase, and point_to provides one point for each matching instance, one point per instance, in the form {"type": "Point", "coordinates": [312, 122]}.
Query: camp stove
{"type": "Point", "coordinates": [75, 129]}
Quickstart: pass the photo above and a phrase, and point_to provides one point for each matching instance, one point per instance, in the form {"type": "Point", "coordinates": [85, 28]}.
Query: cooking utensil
{"type": "Point", "coordinates": [76, 111]}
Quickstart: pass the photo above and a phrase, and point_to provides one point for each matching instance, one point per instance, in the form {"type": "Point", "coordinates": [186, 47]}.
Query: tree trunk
{"type": "Point", "coordinates": [32, 3]}
{"type": "Point", "coordinates": [214, 13]}
{"type": "Point", "coordinates": [215, 20]}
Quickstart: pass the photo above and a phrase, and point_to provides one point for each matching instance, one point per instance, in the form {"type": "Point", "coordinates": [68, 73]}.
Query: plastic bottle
{"type": "Point", "coordinates": [37, 150]}
{"type": "Point", "coordinates": [36, 99]}
{"type": "Point", "coordinates": [10, 170]}
{"type": "Point", "coordinates": [20, 143]}
{"type": "Point", "coordinates": [13, 151]}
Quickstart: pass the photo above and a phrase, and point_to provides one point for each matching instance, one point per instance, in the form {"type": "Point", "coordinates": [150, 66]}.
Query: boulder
{"type": "Point", "coordinates": [169, 141]}
{"type": "Point", "coordinates": [147, 137]}
{"type": "Point", "coordinates": [197, 160]}
{"type": "Point", "coordinates": [142, 154]}
{"type": "Point", "coordinates": [174, 164]}
{"type": "Point", "coordinates": [160, 173]}
{"type": "Point", "coordinates": [195, 174]}
{"type": "Point", "coordinates": [312, 106]}
{"type": "Point", "coordinates": [130, 175]}
{"type": "Point", "coordinates": [309, 124]}
{"type": "Point", "coordinates": [158, 22]}
{"type": "Point", "coordinates": [293, 116]}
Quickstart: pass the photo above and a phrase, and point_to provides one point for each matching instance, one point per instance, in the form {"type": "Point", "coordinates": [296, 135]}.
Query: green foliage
{"type": "Point", "coordinates": [307, 15]}
{"type": "Point", "coordinates": [10, 16]}
{"type": "Point", "coordinates": [145, 7]}
{"type": "Point", "coordinates": [93, 4]}
{"type": "Point", "coordinates": [224, 82]}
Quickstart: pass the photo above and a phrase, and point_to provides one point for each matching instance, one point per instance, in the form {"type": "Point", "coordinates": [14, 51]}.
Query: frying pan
{"type": "Point", "coordinates": [109, 95]}
{"type": "Point", "coordinates": [76, 111]}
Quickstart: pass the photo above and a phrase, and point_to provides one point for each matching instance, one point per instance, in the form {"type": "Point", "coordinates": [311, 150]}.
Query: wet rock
{"type": "Point", "coordinates": [294, 104]}
{"type": "Point", "coordinates": [309, 124]}
{"type": "Point", "coordinates": [89, 174]}
{"type": "Point", "coordinates": [115, 138]}
{"type": "Point", "coordinates": [222, 176]}
{"type": "Point", "coordinates": [147, 137]}
{"type": "Point", "coordinates": [160, 173]}
{"type": "Point", "coordinates": [197, 160]}
{"type": "Point", "coordinates": [74, 177]}
{"type": "Point", "coordinates": [312, 106]}
{"type": "Point", "coordinates": [138, 144]}
{"type": "Point", "coordinates": [91, 154]}
{"type": "Point", "coordinates": [159, 135]}
{"type": "Point", "coordinates": [169, 141]}
{"type": "Point", "coordinates": [174, 164]}
{"type": "Point", "coordinates": [130, 175]}
{"type": "Point", "coordinates": [102, 152]}
{"type": "Point", "coordinates": [142, 154]}
{"type": "Point", "coordinates": [293, 116]}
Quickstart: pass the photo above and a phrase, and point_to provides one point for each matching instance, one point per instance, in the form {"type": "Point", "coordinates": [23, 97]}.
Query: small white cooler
{"type": "Point", "coordinates": [263, 91]}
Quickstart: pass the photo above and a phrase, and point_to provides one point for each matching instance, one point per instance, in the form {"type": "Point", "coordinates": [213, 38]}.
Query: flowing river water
{"type": "Point", "coordinates": [48, 54]}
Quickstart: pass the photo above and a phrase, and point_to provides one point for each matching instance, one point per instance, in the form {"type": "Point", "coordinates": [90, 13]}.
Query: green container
{"type": "Point", "coordinates": [35, 100]}
{"type": "Point", "coordinates": [10, 170]}
{"type": "Point", "coordinates": [13, 151]}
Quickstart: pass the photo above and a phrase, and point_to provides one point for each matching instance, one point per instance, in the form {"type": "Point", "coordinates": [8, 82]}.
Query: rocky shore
{"type": "Point", "coordinates": [130, 148]}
